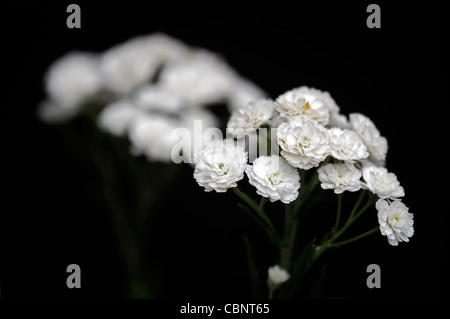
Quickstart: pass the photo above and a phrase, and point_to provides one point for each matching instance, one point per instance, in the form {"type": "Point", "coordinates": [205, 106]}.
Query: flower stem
{"type": "Point", "coordinates": [344, 242]}
{"type": "Point", "coordinates": [338, 213]}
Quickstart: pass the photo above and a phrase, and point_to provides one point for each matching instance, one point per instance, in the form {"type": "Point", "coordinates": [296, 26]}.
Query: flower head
{"type": "Point", "coordinates": [72, 79]}
{"type": "Point", "coordinates": [340, 177]}
{"type": "Point", "coordinates": [277, 275]}
{"type": "Point", "coordinates": [250, 117]}
{"type": "Point", "coordinates": [303, 141]}
{"type": "Point", "coordinates": [396, 223]}
{"type": "Point", "coordinates": [221, 166]}
{"type": "Point", "coordinates": [346, 145]}
{"type": "Point", "coordinates": [274, 178]}
{"type": "Point", "coordinates": [117, 117]}
{"type": "Point", "coordinates": [306, 101]}
{"type": "Point", "coordinates": [376, 144]}
{"type": "Point", "coordinates": [382, 183]}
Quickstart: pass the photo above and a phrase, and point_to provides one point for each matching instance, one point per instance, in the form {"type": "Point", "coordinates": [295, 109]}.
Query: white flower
{"type": "Point", "coordinates": [376, 144]}
{"type": "Point", "coordinates": [306, 101]}
{"type": "Point", "coordinates": [382, 183]}
{"type": "Point", "coordinates": [303, 141]}
{"type": "Point", "coordinates": [396, 223]}
{"type": "Point", "coordinates": [274, 178]}
{"type": "Point", "coordinates": [151, 135]}
{"type": "Point", "coordinates": [117, 117]}
{"type": "Point", "coordinates": [250, 117]}
{"type": "Point", "coordinates": [221, 166]}
{"type": "Point", "coordinates": [126, 66]}
{"type": "Point", "coordinates": [156, 98]}
{"type": "Point", "coordinates": [72, 79]}
{"type": "Point", "coordinates": [199, 79]}
{"type": "Point", "coordinates": [51, 112]}
{"type": "Point", "coordinates": [346, 145]}
{"type": "Point", "coordinates": [277, 275]}
{"type": "Point", "coordinates": [340, 177]}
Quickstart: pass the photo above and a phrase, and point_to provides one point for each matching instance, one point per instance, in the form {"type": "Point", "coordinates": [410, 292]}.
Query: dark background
{"type": "Point", "coordinates": [50, 217]}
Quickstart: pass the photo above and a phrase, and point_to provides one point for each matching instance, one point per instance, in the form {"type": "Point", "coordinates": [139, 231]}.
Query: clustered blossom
{"type": "Point", "coordinates": [310, 129]}
{"type": "Point", "coordinates": [274, 178]}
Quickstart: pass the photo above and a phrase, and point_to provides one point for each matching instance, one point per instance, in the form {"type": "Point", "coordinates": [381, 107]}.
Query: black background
{"type": "Point", "coordinates": [51, 219]}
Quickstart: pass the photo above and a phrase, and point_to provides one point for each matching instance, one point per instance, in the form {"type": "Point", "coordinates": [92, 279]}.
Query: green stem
{"type": "Point", "coordinates": [246, 199]}
{"type": "Point", "coordinates": [338, 213]}
{"type": "Point", "coordinates": [290, 229]}
{"type": "Point", "coordinates": [344, 242]}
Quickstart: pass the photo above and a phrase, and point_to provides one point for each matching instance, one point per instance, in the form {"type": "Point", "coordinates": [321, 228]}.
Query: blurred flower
{"type": "Point", "coordinates": [250, 117]}
{"type": "Point", "coordinates": [126, 66]}
{"type": "Point", "coordinates": [340, 178]}
{"type": "Point", "coordinates": [396, 223]}
{"type": "Point", "coordinates": [151, 135]}
{"type": "Point", "coordinates": [376, 144]}
{"type": "Point", "coordinates": [382, 183]}
{"type": "Point", "coordinates": [71, 81]}
{"type": "Point", "coordinates": [346, 145]}
{"type": "Point", "coordinates": [274, 178]}
{"type": "Point", "coordinates": [277, 275]}
{"type": "Point", "coordinates": [306, 101]}
{"type": "Point", "coordinates": [222, 164]}
{"type": "Point", "coordinates": [303, 141]}
{"type": "Point", "coordinates": [156, 98]}
{"type": "Point", "coordinates": [200, 78]}
{"type": "Point", "coordinates": [117, 117]}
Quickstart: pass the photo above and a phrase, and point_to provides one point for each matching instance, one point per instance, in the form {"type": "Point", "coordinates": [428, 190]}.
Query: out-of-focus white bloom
{"type": "Point", "coordinates": [117, 117]}
{"type": "Point", "coordinates": [306, 101]}
{"type": "Point", "coordinates": [340, 177]}
{"type": "Point", "coordinates": [155, 98]}
{"type": "Point", "coordinates": [396, 223]}
{"type": "Point", "coordinates": [303, 141]}
{"type": "Point", "coordinates": [346, 145]}
{"type": "Point", "coordinates": [376, 144]}
{"type": "Point", "coordinates": [151, 135]}
{"type": "Point", "coordinates": [274, 178]}
{"type": "Point", "coordinates": [338, 120]}
{"type": "Point", "coordinates": [197, 120]}
{"type": "Point", "coordinates": [201, 78]}
{"type": "Point", "coordinates": [382, 183]}
{"type": "Point", "coordinates": [221, 166]}
{"type": "Point", "coordinates": [244, 91]}
{"type": "Point", "coordinates": [72, 79]}
{"type": "Point", "coordinates": [249, 118]}
{"type": "Point", "coordinates": [49, 111]}
{"type": "Point", "coordinates": [277, 275]}
{"type": "Point", "coordinates": [126, 66]}
{"type": "Point", "coordinates": [166, 48]}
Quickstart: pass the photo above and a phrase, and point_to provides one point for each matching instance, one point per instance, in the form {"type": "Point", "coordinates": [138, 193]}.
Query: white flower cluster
{"type": "Point", "coordinates": [149, 86]}
{"type": "Point", "coordinates": [309, 129]}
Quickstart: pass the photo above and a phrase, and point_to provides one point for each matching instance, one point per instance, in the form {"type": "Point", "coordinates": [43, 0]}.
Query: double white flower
{"type": "Point", "coordinates": [382, 183]}
{"type": "Point", "coordinates": [274, 178]}
{"type": "Point", "coordinates": [304, 142]}
{"type": "Point", "coordinates": [376, 144]}
{"type": "Point", "coordinates": [221, 166]}
{"type": "Point", "coordinates": [249, 118]}
{"type": "Point", "coordinates": [340, 178]}
{"type": "Point", "coordinates": [346, 145]}
{"type": "Point", "coordinates": [306, 101]}
{"type": "Point", "coordinates": [396, 223]}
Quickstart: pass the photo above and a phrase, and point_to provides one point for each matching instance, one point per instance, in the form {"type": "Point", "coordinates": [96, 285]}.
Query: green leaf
{"type": "Point", "coordinates": [255, 279]}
